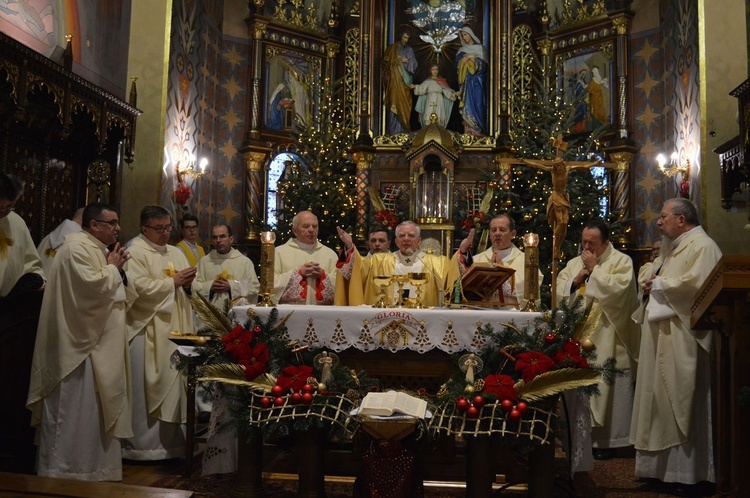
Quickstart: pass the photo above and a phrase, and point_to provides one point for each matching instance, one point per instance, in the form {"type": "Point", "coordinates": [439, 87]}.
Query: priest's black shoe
{"type": "Point", "coordinates": [604, 453]}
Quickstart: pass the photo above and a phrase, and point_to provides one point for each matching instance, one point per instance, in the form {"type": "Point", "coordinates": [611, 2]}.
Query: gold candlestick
{"type": "Point", "coordinates": [267, 255]}
{"type": "Point", "coordinates": [531, 271]}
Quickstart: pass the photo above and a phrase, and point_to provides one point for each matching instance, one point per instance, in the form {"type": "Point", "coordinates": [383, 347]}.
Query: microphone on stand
{"type": "Point", "coordinates": [412, 252]}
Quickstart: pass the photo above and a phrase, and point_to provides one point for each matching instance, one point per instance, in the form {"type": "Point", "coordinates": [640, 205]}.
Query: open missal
{"type": "Point", "coordinates": [386, 404]}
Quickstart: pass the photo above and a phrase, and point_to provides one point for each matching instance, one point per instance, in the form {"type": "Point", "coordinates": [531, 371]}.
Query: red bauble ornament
{"type": "Point", "coordinates": [307, 388]}
{"type": "Point", "coordinates": [265, 402]}
{"type": "Point", "coordinates": [550, 338]}
{"type": "Point", "coordinates": [307, 398]}
{"type": "Point", "coordinates": [296, 398]}
{"type": "Point", "coordinates": [257, 329]}
{"type": "Point", "coordinates": [522, 407]}
{"type": "Point", "coordinates": [277, 391]}
{"type": "Point", "coordinates": [506, 405]}
{"type": "Point", "coordinates": [478, 402]}
{"type": "Point", "coordinates": [462, 405]}
{"type": "Point", "coordinates": [514, 415]}
{"type": "Point", "coordinates": [472, 412]}
{"type": "Point", "coordinates": [279, 401]}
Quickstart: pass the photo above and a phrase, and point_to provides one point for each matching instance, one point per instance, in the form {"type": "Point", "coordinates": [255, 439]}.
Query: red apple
{"type": "Point", "coordinates": [307, 398]}
{"type": "Point", "coordinates": [506, 405]}
{"type": "Point", "coordinates": [277, 391]}
{"type": "Point", "coordinates": [462, 405]}
{"type": "Point", "coordinates": [265, 402]}
{"type": "Point", "coordinates": [296, 398]}
{"type": "Point", "coordinates": [522, 407]}
{"type": "Point", "coordinates": [472, 412]}
{"type": "Point", "coordinates": [514, 415]}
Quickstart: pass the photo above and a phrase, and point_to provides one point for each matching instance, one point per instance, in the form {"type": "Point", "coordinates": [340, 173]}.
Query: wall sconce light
{"type": "Point", "coordinates": [676, 165]}
{"type": "Point", "coordinates": [190, 168]}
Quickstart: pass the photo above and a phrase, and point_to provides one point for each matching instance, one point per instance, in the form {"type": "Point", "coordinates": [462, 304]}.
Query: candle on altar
{"type": "Point", "coordinates": [267, 255]}
{"type": "Point", "coordinates": [531, 271]}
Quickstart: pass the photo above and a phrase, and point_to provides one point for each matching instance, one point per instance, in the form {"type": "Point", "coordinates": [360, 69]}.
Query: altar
{"type": "Point", "coordinates": [404, 349]}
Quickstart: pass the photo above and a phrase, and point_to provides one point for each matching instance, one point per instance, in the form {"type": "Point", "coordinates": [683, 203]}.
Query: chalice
{"type": "Point", "coordinates": [418, 279]}
{"type": "Point", "coordinates": [382, 281]}
{"type": "Point", "coordinates": [400, 280]}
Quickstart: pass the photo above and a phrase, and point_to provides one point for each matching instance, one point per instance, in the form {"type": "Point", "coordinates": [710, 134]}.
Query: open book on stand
{"type": "Point", "coordinates": [392, 402]}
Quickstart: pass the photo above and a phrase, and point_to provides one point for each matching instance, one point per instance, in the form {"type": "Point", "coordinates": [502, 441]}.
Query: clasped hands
{"type": "Point", "coordinates": [183, 278]}
{"type": "Point", "coordinates": [589, 262]}
{"type": "Point", "coordinates": [118, 256]}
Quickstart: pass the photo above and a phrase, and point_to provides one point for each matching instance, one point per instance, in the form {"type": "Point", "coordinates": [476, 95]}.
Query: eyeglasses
{"type": "Point", "coordinates": [112, 223]}
{"type": "Point", "coordinates": [191, 228]}
{"type": "Point", "coordinates": [167, 228]}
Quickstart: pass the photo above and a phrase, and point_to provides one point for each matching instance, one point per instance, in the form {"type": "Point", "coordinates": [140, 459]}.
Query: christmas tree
{"type": "Point", "coordinates": [536, 123]}
{"type": "Point", "coordinates": [323, 179]}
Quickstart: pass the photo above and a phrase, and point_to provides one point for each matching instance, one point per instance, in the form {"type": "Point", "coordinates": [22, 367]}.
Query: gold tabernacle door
{"type": "Point", "coordinates": [481, 281]}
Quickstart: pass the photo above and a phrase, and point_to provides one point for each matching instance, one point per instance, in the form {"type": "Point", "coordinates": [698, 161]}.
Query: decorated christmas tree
{"type": "Point", "coordinates": [537, 122]}
{"type": "Point", "coordinates": [323, 180]}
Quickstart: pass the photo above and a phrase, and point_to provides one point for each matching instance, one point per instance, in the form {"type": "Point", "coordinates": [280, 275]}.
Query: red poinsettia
{"type": "Point", "coordinates": [533, 363]}
{"type": "Point", "coordinates": [182, 194]}
{"type": "Point", "coordinates": [255, 361]}
{"type": "Point", "coordinates": [571, 353]}
{"type": "Point", "coordinates": [387, 218]}
{"type": "Point", "coordinates": [502, 385]}
{"type": "Point", "coordinates": [238, 342]}
{"type": "Point", "coordinates": [294, 378]}
{"type": "Point", "coordinates": [474, 220]}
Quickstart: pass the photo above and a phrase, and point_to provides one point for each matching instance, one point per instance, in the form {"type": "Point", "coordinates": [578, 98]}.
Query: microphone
{"type": "Point", "coordinates": [412, 252]}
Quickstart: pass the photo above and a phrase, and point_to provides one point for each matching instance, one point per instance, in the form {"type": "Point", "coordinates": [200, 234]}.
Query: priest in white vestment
{"type": "Point", "coordinates": [503, 252]}
{"type": "Point", "coordinates": [80, 393]}
{"type": "Point", "coordinates": [304, 269]}
{"type": "Point", "coordinates": [49, 245]}
{"type": "Point", "coordinates": [189, 243]}
{"type": "Point", "coordinates": [671, 427]}
{"type": "Point", "coordinates": [604, 278]}
{"type": "Point", "coordinates": [225, 273]}
{"type": "Point", "coordinates": [18, 254]}
{"type": "Point", "coordinates": [162, 277]}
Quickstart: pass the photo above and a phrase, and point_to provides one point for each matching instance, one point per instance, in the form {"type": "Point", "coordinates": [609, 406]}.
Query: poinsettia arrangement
{"type": "Point", "coordinates": [475, 219]}
{"type": "Point", "coordinates": [182, 194]}
{"type": "Point", "coordinates": [517, 368]}
{"type": "Point", "coordinates": [277, 376]}
{"type": "Point", "coordinates": [387, 218]}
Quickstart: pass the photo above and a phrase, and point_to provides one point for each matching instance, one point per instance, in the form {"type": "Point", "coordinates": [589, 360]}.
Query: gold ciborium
{"type": "Point", "coordinates": [418, 279]}
{"type": "Point", "coordinates": [400, 280]}
{"type": "Point", "coordinates": [382, 281]}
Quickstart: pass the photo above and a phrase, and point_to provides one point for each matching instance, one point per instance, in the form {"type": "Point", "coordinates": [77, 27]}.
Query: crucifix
{"type": "Point", "coordinates": [558, 204]}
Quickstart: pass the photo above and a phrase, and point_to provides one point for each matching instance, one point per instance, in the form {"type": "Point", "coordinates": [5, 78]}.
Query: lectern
{"type": "Point", "coordinates": [723, 304]}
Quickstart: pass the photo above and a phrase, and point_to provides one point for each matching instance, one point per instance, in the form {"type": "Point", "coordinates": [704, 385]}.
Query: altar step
{"type": "Point", "coordinates": [18, 485]}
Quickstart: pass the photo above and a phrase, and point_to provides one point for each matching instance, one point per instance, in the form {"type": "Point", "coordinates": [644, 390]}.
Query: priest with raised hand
{"type": "Point", "coordinates": [604, 278]}
{"type": "Point", "coordinates": [407, 259]}
{"type": "Point", "coordinates": [80, 393]}
{"type": "Point", "coordinates": [224, 273]}
{"type": "Point", "coordinates": [304, 269]}
{"type": "Point", "coordinates": [162, 277]}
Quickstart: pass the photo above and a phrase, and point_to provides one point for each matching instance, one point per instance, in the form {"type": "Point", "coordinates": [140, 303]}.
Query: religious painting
{"type": "Point", "coordinates": [587, 83]}
{"type": "Point", "coordinates": [436, 65]}
{"type": "Point", "coordinates": [288, 78]}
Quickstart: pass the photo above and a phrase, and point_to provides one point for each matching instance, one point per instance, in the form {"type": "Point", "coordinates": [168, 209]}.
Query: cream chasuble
{"type": "Point", "coordinates": [49, 245]}
{"type": "Point", "coordinates": [158, 310]}
{"type": "Point", "coordinates": [83, 316]}
{"type": "Point", "coordinates": [611, 297]}
{"type": "Point", "coordinates": [237, 269]}
{"type": "Point", "coordinates": [666, 397]}
{"type": "Point", "coordinates": [18, 254]}
{"type": "Point", "coordinates": [290, 287]}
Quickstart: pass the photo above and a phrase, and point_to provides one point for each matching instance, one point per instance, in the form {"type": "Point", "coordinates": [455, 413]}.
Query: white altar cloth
{"type": "Point", "coordinates": [366, 328]}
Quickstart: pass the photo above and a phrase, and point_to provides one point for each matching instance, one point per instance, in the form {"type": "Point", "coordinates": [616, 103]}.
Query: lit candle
{"type": "Point", "coordinates": [531, 271]}
{"type": "Point", "coordinates": [267, 257]}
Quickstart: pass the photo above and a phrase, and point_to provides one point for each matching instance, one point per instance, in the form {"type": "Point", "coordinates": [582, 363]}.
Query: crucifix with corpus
{"type": "Point", "coordinates": [558, 205]}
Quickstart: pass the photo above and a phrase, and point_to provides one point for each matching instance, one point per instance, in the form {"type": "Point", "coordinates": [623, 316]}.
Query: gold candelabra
{"type": "Point", "coordinates": [531, 271]}
{"type": "Point", "coordinates": [267, 255]}
{"type": "Point", "coordinates": [676, 165]}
